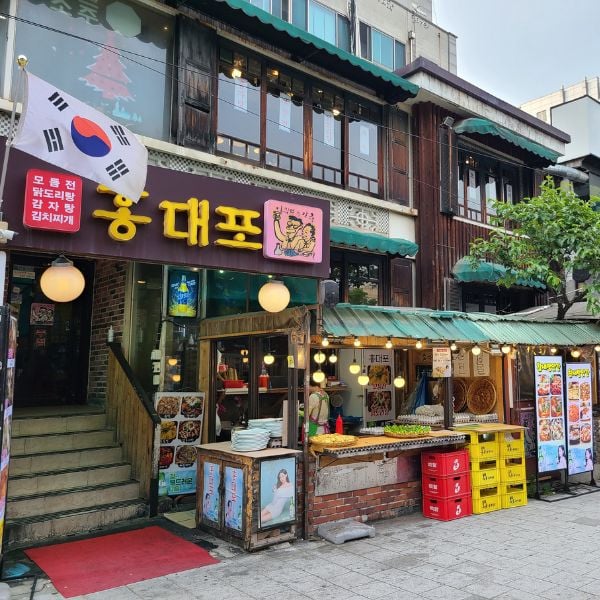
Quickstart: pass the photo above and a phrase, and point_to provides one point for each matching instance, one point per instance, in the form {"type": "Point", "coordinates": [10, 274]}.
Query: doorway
{"type": "Point", "coordinates": [53, 337]}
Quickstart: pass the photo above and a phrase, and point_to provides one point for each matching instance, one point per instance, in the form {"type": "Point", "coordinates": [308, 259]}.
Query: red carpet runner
{"type": "Point", "coordinates": [102, 563]}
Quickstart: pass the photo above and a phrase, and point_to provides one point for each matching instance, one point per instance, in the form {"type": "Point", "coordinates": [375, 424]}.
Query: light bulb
{"type": "Point", "coordinates": [399, 381]}
{"type": "Point", "coordinates": [245, 359]}
{"type": "Point", "coordinates": [325, 342]}
{"type": "Point", "coordinates": [597, 348]}
{"type": "Point", "coordinates": [363, 379]}
{"type": "Point", "coordinates": [354, 368]}
{"type": "Point", "coordinates": [476, 350]}
{"type": "Point", "coordinates": [553, 350]}
{"type": "Point", "coordinates": [419, 344]}
{"type": "Point", "coordinates": [389, 344]}
{"type": "Point", "coordinates": [356, 342]}
{"type": "Point", "coordinates": [506, 348]}
{"type": "Point", "coordinates": [320, 357]}
{"type": "Point", "coordinates": [176, 378]}
{"type": "Point", "coordinates": [268, 359]}
{"type": "Point", "coordinates": [172, 362]}
{"type": "Point", "coordinates": [244, 352]}
{"type": "Point", "coordinates": [318, 376]}
{"type": "Point", "coordinates": [453, 347]}
{"type": "Point", "coordinates": [333, 358]}
{"type": "Point", "coordinates": [575, 353]}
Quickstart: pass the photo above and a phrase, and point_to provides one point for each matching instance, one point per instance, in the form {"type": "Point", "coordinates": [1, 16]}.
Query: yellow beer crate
{"type": "Point", "coordinates": [486, 499]}
{"type": "Point", "coordinates": [512, 470]}
{"type": "Point", "coordinates": [512, 444]}
{"type": "Point", "coordinates": [485, 473]}
{"type": "Point", "coordinates": [482, 446]}
{"type": "Point", "coordinates": [513, 495]}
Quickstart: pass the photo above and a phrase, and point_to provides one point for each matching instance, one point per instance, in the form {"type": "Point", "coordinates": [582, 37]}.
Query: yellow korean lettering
{"type": "Point", "coordinates": [197, 221]}
{"type": "Point", "coordinates": [239, 222]}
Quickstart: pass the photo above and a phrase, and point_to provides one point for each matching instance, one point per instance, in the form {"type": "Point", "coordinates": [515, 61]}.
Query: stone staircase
{"type": "Point", "coordinates": [67, 476]}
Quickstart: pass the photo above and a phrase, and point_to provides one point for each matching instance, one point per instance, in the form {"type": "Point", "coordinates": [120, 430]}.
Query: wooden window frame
{"type": "Point", "coordinates": [344, 258]}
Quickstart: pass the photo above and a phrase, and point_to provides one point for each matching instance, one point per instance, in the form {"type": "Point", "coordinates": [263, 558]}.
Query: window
{"type": "Point", "coordinates": [359, 277]}
{"type": "Point", "coordinates": [482, 179]}
{"type": "Point", "coordinates": [131, 42]}
{"type": "Point", "coordinates": [380, 48]}
{"type": "Point", "coordinates": [280, 8]}
{"type": "Point", "coordinates": [363, 148]}
{"type": "Point", "coordinates": [322, 22]}
{"type": "Point", "coordinates": [328, 111]}
{"type": "Point", "coordinates": [238, 126]}
{"type": "Point", "coordinates": [264, 4]}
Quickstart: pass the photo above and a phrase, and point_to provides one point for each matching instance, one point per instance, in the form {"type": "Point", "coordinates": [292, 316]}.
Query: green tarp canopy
{"type": "Point", "coordinates": [484, 127]}
{"type": "Point", "coordinates": [487, 272]}
{"type": "Point", "coordinates": [372, 241]}
{"type": "Point", "coordinates": [307, 47]}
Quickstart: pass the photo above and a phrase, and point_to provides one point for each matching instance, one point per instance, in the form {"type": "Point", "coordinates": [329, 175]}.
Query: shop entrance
{"type": "Point", "coordinates": [54, 338]}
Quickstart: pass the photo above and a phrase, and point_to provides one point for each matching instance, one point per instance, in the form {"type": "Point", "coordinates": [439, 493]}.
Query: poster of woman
{"type": "Point", "coordinates": [277, 491]}
{"type": "Point", "coordinates": [234, 492]}
{"type": "Point", "coordinates": [210, 492]}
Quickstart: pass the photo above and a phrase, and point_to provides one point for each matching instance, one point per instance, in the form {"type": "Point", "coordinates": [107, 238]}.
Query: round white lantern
{"type": "Point", "coordinates": [273, 296]}
{"type": "Point", "coordinates": [62, 281]}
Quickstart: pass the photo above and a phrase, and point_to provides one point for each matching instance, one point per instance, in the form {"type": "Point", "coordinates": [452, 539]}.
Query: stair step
{"type": "Point", "coordinates": [77, 498]}
{"type": "Point", "coordinates": [25, 531]}
{"type": "Point", "coordinates": [56, 442]}
{"type": "Point", "coordinates": [66, 479]}
{"type": "Point", "coordinates": [23, 426]}
{"type": "Point", "coordinates": [68, 459]}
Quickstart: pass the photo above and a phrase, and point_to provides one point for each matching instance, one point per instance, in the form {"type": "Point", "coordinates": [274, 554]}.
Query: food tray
{"type": "Point", "coordinates": [481, 397]}
{"type": "Point", "coordinates": [460, 394]}
{"type": "Point", "coordinates": [333, 440]}
{"type": "Point", "coordinates": [406, 435]}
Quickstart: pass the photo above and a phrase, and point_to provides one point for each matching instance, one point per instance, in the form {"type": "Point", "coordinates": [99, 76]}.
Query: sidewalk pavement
{"type": "Point", "coordinates": [542, 550]}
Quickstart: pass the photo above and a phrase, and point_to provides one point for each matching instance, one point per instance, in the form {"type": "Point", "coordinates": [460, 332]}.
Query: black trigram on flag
{"type": "Point", "coordinates": [53, 139]}
{"type": "Point", "coordinates": [120, 134]}
{"type": "Point", "coordinates": [58, 101]}
{"type": "Point", "coordinates": [117, 169]}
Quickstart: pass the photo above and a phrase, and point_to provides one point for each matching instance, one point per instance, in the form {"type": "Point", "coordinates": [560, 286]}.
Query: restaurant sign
{"type": "Point", "coordinates": [180, 219]}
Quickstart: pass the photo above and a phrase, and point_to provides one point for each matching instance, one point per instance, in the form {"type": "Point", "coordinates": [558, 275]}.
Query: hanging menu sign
{"type": "Point", "coordinates": [579, 417]}
{"type": "Point", "coordinates": [549, 413]}
{"type": "Point", "coordinates": [379, 402]}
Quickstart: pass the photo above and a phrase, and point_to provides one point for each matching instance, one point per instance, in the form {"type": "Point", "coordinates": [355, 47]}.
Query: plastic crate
{"type": "Point", "coordinates": [512, 470]}
{"type": "Point", "coordinates": [514, 495]}
{"type": "Point", "coordinates": [446, 487]}
{"type": "Point", "coordinates": [483, 446]}
{"type": "Point", "coordinates": [485, 473]}
{"type": "Point", "coordinates": [486, 499]}
{"type": "Point", "coordinates": [445, 464]}
{"type": "Point", "coordinates": [512, 444]}
{"type": "Point", "coordinates": [447, 509]}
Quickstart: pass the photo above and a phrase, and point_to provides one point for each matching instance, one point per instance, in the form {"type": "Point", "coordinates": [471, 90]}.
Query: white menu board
{"type": "Point", "coordinates": [379, 401]}
{"type": "Point", "coordinates": [579, 417]}
{"type": "Point", "coordinates": [549, 410]}
{"type": "Point", "coordinates": [441, 362]}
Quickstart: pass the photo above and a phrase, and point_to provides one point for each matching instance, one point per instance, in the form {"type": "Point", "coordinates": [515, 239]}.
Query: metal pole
{"type": "Point", "coordinates": [305, 422]}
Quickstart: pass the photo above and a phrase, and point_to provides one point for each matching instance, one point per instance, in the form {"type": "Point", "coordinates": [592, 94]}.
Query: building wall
{"type": "Point", "coordinates": [110, 286]}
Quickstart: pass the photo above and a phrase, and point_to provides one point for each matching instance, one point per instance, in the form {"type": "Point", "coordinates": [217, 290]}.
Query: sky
{"type": "Point", "coordinates": [523, 49]}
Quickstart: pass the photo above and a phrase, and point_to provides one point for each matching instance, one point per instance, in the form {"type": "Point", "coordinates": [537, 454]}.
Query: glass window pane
{"type": "Point", "coordinates": [321, 22]}
{"type": "Point", "coordinates": [365, 41]}
{"type": "Point", "coordinates": [383, 49]}
{"type": "Point", "coordinates": [299, 13]}
{"type": "Point", "coordinates": [363, 149]}
{"type": "Point", "coordinates": [343, 33]}
{"type": "Point", "coordinates": [363, 287]}
{"type": "Point", "coordinates": [133, 44]}
{"type": "Point", "coordinates": [264, 4]}
{"type": "Point", "coordinates": [490, 195]}
{"type": "Point", "coordinates": [239, 97]}
{"type": "Point", "coordinates": [399, 55]}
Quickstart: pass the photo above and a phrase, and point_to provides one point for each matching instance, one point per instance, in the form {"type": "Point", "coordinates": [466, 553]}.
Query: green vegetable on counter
{"type": "Point", "coordinates": [420, 429]}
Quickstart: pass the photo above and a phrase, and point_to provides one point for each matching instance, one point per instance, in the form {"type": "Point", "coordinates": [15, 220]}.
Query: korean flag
{"type": "Point", "coordinates": [67, 133]}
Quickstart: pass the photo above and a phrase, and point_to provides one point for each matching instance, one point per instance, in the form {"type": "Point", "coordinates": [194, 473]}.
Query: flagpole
{"type": "Point", "coordinates": [22, 61]}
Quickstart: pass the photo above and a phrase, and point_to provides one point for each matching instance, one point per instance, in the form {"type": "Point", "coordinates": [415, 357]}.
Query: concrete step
{"type": "Point", "coordinates": [57, 442]}
{"type": "Point", "coordinates": [26, 531]}
{"type": "Point", "coordinates": [22, 426]}
{"type": "Point", "coordinates": [37, 483]}
{"type": "Point", "coordinates": [69, 459]}
{"type": "Point", "coordinates": [30, 505]}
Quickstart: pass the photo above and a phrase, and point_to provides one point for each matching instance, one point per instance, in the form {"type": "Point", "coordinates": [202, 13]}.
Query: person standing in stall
{"type": "Point", "coordinates": [318, 411]}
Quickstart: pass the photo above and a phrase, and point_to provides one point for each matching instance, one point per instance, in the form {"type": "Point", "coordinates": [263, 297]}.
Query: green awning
{"type": "Point", "coordinates": [464, 271]}
{"type": "Point", "coordinates": [486, 127]}
{"type": "Point", "coordinates": [347, 320]}
{"type": "Point", "coordinates": [372, 241]}
{"type": "Point", "coordinates": [307, 47]}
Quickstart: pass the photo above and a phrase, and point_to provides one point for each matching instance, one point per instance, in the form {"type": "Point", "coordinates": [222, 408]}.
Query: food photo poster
{"type": "Point", "coordinates": [181, 415]}
{"type": "Point", "coordinates": [579, 417]}
{"type": "Point", "coordinates": [549, 403]}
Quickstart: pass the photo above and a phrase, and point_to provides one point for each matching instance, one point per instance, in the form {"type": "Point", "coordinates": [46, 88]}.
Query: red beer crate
{"type": "Point", "coordinates": [446, 487]}
{"type": "Point", "coordinates": [445, 464]}
{"type": "Point", "coordinates": [447, 509]}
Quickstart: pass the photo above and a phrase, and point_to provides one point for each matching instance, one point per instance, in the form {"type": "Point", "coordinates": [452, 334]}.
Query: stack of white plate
{"type": "Point", "coordinates": [273, 426]}
{"type": "Point", "coordinates": [249, 440]}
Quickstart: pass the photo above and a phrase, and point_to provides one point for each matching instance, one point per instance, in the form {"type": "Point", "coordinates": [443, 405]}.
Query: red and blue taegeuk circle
{"type": "Point", "coordinates": [89, 137]}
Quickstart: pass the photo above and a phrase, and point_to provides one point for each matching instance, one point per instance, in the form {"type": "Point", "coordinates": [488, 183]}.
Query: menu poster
{"type": "Point", "coordinates": [210, 492]}
{"type": "Point", "coordinates": [234, 493]}
{"type": "Point", "coordinates": [579, 417]}
{"type": "Point", "coordinates": [549, 413]}
{"type": "Point", "coordinates": [441, 362]}
{"type": "Point", "coordinates": [181, 415]}
{"type": "Point", "coordinates": [379, 401]}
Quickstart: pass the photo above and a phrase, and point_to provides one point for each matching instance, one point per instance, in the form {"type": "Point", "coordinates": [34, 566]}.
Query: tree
{"type": "Point", "coordinates": [547, 238]}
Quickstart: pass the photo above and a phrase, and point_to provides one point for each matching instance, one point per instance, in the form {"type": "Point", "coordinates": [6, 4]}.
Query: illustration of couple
{"type": "Point", "coordinates": [298, 239]}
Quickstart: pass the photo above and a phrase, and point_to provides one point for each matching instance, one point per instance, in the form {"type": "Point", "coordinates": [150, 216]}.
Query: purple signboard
{"type": "Point", "coordinates": [181, 219]}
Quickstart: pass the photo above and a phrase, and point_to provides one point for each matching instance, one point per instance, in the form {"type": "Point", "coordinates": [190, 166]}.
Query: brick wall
{"type": "Point", "coordinates": [108, 309]}
{"type": "Point", "coordinates": [370, 504]}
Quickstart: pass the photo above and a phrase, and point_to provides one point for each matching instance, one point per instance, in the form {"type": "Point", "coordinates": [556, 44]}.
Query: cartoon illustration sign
{"type": "Point", "coordinates": [293, 232]}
